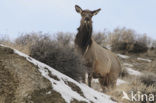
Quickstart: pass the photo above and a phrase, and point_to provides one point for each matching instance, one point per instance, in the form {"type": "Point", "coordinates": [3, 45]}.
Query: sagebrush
{"type": "Point", "coordinates": [59, 56]}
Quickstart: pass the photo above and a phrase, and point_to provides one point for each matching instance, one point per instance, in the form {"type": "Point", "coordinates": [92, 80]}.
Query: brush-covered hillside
{"type": "Point", "coordinates": [26, 80]}
{"type": "Point", "coordinates": [63, 80]}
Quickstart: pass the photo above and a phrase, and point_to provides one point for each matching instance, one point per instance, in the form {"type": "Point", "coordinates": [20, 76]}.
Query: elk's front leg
{"type": "Point", "coordinates": [89, 79]}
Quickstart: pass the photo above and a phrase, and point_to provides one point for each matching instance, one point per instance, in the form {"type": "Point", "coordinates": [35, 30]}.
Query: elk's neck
{"type": "Point", "coordinates": [83, 37]}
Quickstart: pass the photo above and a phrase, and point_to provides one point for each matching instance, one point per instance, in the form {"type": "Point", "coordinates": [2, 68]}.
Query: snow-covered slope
{"type": "Point", "coordinates": [66, 86]}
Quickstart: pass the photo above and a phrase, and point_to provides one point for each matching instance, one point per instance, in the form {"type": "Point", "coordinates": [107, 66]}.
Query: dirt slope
{"type": "Point", "coordinates": [21, 82]}
{"type": "Point", "coordinates": [26, 80]}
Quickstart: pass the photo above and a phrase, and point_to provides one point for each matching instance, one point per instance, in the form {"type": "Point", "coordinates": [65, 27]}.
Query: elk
{"type": "Point", "coordinates": [103, 63]}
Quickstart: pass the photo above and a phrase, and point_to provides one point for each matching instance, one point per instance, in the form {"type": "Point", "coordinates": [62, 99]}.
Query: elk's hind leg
{"type": "Point", "coordinates": [113, 81]}
{"type": "Point", "coordinates": [104, 83]}
{"type": "Point", "coordinates": [108, 82]}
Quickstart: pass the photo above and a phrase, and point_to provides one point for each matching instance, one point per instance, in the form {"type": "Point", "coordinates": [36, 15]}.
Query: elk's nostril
{"type": "Point", "coordinates": [87, 19]}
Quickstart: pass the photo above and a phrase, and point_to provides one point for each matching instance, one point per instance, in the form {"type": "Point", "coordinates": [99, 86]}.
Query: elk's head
{"type": "Point", "coordinates": [86, 14]}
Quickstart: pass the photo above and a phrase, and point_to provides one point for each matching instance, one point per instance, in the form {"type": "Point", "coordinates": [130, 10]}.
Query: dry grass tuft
{"type": "Point", "coordinates": [148, 79]}
{"type": "Point", "coordinates": [135, 86]}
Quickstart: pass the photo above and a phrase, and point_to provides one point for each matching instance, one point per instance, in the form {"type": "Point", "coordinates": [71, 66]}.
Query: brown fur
{"type": "Point", "coordinates": [105, 65]}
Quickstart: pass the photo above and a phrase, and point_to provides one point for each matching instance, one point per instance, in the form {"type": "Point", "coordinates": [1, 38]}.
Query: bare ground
{"type": "Point", "coordinates": [21, 82]}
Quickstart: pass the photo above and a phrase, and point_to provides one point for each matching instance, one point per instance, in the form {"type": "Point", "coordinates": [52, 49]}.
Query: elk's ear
{"type": "Point", "coordinates": [78, 9]}
{"type": "Point", "coordinates": [95, 11]}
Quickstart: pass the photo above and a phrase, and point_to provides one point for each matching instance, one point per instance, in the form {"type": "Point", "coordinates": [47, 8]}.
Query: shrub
{"type": "Point", "coordinates": [138, 47]}
{"type": "Point", "coordinates": [101, 38]}
{"type": "Point", "coordinates": [25, 41]}
{"type": "Point", "coordinates": [64, 39]}
{"type": "Point", "coordinates": [62, 58]}
{"type": "Point", "coordinates": [4, 39]}
{"type": "Point", "coordinates": [128, 41]}
{"type": "Point", "coordinates": [153, 44]}
{"type": "Point", "coordinates": [148, 79]}
{"type": "Point", "coordinates": [30, 38]}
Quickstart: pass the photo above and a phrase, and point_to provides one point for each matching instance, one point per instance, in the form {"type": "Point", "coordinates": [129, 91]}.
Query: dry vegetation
{"type": "Point", "coordinates": [59, 53]}
{"type": "Point", "coordinates": [128, 40]}
{"type": "Point", "coordinates": [15, 86]}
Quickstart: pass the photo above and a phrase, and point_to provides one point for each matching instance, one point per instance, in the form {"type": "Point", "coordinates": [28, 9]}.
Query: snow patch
{"type": "Point", "coordinates": [146, 60]}
{"type": "Point", "coordinates": [109, 47]}
{"type": "Point", "coordinates": [123, 56]}
{"type": "Point", "coordinates": [119, 82]}
{"type": "Point", "coordinates": [127, 64]}
{"type": "Point", "coordinates": [48, 92]}
{"type": "Point", "coordinates": [133, 72]}
{"type": "Point", "coordinates": [95, 80]}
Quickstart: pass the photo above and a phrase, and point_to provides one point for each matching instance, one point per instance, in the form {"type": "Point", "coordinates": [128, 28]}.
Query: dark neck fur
{"type": "Point", "coordinates": [83, 37]}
